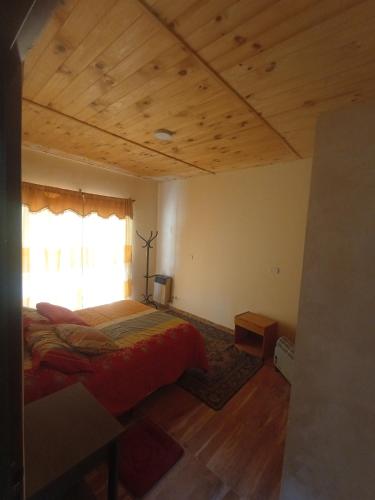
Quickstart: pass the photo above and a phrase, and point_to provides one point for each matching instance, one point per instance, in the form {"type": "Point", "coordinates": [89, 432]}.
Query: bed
{"type": "Point", "coordinates": [153, 349]}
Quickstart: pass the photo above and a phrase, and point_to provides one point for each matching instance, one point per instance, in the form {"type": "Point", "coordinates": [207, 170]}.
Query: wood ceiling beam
{"type": "Point", "coordinates": [57, 153]}
{"type": "Point", "coordinates": [225, 85]}
{"type": "Point", "coordinates": [134, 143]}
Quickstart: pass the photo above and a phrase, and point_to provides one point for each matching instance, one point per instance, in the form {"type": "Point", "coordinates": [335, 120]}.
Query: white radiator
{"type": "Point", "coordinates": [162, 289]}
{"type": "Point", "coordinates": [283, 357]}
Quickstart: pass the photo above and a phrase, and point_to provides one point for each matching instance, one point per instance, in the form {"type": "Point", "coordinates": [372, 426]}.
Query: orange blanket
{"type": "Point", "coordinates": [148, 358]}
{"type": "Point", "coordinates": [94, 316]}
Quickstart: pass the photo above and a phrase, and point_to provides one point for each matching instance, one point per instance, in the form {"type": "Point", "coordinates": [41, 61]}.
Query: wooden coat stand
{"type": "Point", "coordinates": [147, 297]}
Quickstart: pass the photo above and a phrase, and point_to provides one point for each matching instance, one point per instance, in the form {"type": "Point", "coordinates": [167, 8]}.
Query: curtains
{"type": "Point", "coordinates": [75, 257]}
{"type": "Point", "coordinates": [38, 197]}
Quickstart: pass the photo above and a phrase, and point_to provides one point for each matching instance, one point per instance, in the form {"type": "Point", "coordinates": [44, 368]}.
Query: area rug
{"type": "Point", "coordinates": [146, 454]}
{"type": "Point", "coordinates": [229, 367]}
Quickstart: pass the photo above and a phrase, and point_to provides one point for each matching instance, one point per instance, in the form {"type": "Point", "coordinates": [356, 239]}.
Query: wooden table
{"type": "Point", "coordinates": [258, 332]}
{"type": "Point", "coordinates": [66, 434]}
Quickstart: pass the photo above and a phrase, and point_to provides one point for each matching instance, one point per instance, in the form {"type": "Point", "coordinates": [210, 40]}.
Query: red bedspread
{"type": "Point", "coordinates": [123, 378]}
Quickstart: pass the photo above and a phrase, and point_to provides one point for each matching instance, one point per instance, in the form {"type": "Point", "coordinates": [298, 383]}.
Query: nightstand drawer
{"type": "Point", "coordinates": [244, 322]}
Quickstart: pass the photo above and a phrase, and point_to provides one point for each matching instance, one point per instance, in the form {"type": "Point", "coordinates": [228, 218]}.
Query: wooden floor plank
{"type": "Point", "coordinates": [235, 453]}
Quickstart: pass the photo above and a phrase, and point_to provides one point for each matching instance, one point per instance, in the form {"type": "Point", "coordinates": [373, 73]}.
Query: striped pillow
{"type": "Point", "coordinates": [49, 350]}
{"type": "Point", "coordinates": [86, 339]}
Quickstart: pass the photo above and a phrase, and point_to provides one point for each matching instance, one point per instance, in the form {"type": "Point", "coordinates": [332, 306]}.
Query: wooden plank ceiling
{"type": "Point", "coordinates": [239, 83]}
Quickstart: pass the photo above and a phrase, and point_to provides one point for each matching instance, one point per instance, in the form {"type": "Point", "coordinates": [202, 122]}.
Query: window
{"type": "Point", "coordinates": [73, 260]}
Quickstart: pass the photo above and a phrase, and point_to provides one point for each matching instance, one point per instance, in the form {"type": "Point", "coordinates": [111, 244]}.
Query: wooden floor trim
{"type": "Point", "coordinates": [203, 320]}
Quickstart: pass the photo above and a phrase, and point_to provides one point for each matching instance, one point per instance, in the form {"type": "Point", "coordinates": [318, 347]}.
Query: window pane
{"type": "Point", "coordinates": [73, 261]}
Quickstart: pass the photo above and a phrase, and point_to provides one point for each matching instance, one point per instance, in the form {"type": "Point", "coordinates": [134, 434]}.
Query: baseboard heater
{"type": "Point", "coordinates": [162, 289]}
{"type": "Point", "coordinates": [284, 357]}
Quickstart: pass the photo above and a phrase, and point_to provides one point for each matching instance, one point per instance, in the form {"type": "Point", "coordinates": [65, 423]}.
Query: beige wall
{"type": "Point", "coordinates": [330, 451]}
{"type": "Point", "coordinates": [41, 168]}
{"type": "Point", "coordinates": [222, 236]}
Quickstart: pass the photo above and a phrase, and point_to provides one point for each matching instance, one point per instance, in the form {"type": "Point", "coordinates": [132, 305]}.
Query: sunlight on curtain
{"type": "Point", "coordinates": [103, 256]}
{"type": "Point", "coordinates": [75, 261]}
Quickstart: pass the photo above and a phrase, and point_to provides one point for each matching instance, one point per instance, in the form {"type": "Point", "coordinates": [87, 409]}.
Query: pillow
{"type": "Point", "coordinates": [49, 350]}
{"type": "Point", "coordinates": [30, 316]}
{"type": "Point", "coordinates": [58, 314]}
{"type": "Point", "coordinates": [86, 339]}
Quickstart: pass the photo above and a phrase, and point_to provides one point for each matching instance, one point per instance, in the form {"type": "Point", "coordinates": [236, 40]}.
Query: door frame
{"type": "Point", "coordinates": [20, 23]}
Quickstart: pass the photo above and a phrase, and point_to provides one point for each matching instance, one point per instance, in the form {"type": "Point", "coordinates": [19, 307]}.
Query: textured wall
{"type": "Point", "coordinates": [222, 236]}
{"type": "Point", "coordinates": [331, 440]}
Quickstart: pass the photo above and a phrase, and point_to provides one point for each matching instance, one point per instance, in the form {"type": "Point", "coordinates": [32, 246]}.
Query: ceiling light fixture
{"type": "Point", "coordinates": [163, 134]}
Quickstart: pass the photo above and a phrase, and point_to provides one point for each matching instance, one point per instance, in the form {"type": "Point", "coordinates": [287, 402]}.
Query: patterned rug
{"type": "Point", "coordinates": [229, 369]}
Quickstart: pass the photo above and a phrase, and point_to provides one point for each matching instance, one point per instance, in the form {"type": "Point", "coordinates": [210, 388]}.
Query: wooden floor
{"type": "Point", "coordinates": [234, 453]}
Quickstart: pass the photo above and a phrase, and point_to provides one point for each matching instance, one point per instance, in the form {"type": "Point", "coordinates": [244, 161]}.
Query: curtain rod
{"type": "Point", "coordinates": [43, 186]}
{"type": "Point", "coordinates": [83, 192]}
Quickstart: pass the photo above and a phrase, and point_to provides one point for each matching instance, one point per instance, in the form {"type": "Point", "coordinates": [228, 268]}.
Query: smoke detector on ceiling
{"type": "Point", "coordinates": [163, 134]}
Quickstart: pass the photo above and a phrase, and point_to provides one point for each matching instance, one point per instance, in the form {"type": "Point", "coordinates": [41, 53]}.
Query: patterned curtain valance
{"type": "Point", "coordinates": [37, 197]}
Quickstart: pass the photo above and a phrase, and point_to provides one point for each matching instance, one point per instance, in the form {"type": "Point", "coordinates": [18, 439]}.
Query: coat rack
{"type": "Point", "coordinates": [147, 297]}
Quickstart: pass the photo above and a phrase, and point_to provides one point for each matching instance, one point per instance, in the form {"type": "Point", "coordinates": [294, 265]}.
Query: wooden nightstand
{"type": "Point", "coordinates": [257, 332]}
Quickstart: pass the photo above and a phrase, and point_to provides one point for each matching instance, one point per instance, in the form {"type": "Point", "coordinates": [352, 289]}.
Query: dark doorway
{"type": "Point", "coordinates": [20, 23]}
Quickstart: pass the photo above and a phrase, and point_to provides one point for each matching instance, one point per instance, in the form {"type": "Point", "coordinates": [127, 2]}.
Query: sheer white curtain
{"type": "Point", "coordinates": [75, 261]}
{"type": "Point", "coordinates": [104, 270]}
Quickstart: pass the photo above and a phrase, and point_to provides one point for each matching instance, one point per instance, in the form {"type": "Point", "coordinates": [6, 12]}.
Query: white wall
{"type": "Point", "coordinates": [49, 170]}
{"type": "Point", "coordinates": [221, 236]}
{"type": "Point", "coordinates": [330, 453]}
